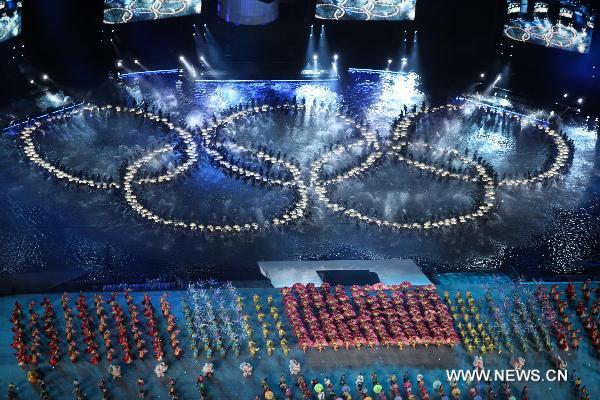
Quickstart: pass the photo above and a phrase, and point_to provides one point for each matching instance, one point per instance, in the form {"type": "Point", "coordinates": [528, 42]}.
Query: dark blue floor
{"type": "Point", "coordinates": [48, 226]}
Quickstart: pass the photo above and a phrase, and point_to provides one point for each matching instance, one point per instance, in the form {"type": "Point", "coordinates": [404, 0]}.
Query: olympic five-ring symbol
{"type": "Point", "coordinates": [398, 147]}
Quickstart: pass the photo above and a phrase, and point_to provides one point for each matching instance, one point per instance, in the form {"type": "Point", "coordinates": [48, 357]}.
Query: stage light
{"type": "Point", "coordinates": [32, 81]}
{"type": "Point", "coordinates": [315, 57]}
{"type": "Point", "coordinates": [181, 58]}
{"type": "Point", "coordinates": [136, 62]}
{"type": "Point", "coordinates": [335, 57]}
{"type": "Point", "coordinates": [404, 61]}
{"type": "Point", "coordinates": [566, 95]}
{"type": "Point", "coordinates": [580, 100]}
{"type": "Point", "coordinates": [482, 75]}
{"type": "Point", "coordinates": [498, 78]}
{"type": "Point", "coordinates": [204, 62]}
{"type": "Point", "coordinates": [389, 61]}
{"type": "Point", "coordinates": [119, 64]}
{"type": "Point", "coordinates": [45, 77]}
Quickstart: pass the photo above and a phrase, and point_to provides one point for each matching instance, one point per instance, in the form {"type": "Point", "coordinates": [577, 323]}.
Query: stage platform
{"type": "Point", "coordinates": [389, 272]}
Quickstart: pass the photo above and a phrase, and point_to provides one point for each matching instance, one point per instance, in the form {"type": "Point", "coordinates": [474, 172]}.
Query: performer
{"type": "Point", "coordinates": [141, 391]}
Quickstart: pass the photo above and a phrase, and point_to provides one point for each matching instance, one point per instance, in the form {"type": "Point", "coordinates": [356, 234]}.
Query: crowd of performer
{"type": "Point", "coordinates": [392, 387]}
{"type": "Point", "coordinates": [426, 129]}
{"type": "Point", "coordinates": [320, 317]}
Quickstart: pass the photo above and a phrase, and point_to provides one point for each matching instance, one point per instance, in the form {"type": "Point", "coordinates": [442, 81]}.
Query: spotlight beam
{"type": "Point", "coordinates": [188, 67]}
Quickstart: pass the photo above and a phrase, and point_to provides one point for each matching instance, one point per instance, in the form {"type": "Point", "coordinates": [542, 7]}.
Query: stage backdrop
{"type": "Point", "coordinates": [121, 11]}
{"type": "Point", "coordinates": [563, 24]}
{"type": "Point", "coordinates": [249, 12]}
{"type": "Point", "coordinates": [10, 19]}
{"type": "Point", "coordinates": [366, 10]}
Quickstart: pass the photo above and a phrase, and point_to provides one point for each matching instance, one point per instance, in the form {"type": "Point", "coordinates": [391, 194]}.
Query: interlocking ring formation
{"type": "Point", "coordinates": [291, 176]}
{"type": "Point", "coordinates": [399, 142]}
{"type": "Point", "coordinates": [30, 150]}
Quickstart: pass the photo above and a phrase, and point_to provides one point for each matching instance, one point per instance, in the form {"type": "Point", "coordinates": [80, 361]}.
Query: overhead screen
{"type": "Point", "coordinates": [563, 24]}
{"type": "Point", "coordinates": [122, 11]}
{"type": "Point", "coordinates": [10, 19]}
{"type": "Point", "coordinates": [366, 10]}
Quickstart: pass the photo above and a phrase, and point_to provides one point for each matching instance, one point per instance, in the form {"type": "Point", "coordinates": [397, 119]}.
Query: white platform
{"type": "Point", "coordinates": [390, 272]}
